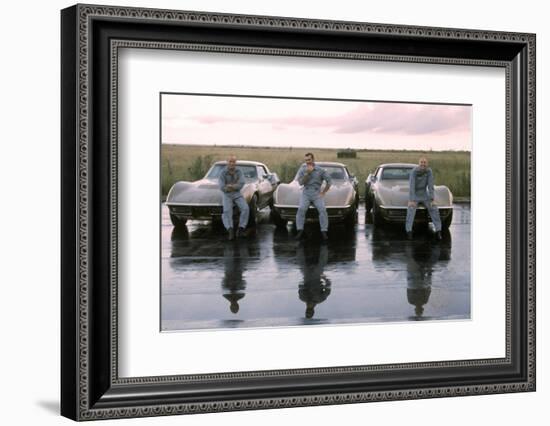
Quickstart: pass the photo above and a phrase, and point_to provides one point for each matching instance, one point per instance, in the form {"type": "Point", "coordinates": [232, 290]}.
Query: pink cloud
{"type": "Point", "coordinates": [410, 119]}
{"type": "Point", "coordinates": [383, 118]}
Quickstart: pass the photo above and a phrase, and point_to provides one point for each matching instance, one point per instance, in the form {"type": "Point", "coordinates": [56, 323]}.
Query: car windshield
{"type": "Point", "coordinates": [335, 172]}
{"type": "Point", "coordinates": [396, 173]}
{"type": "Point", "coordinates": [249, 172]}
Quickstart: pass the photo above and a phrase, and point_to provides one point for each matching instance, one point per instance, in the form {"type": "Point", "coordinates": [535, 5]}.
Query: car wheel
{"type": "Point", "coordinates": [351, 220]}
{"type": "Point", "coordinates": [447, 221]}
{"type": "Point", "coordinates": [177, 222]}
{"type": "Point", "coordinates": [368, 203]}
{"type": "Point", "coordinates": [368, 218]}
{"type": "Point", "coordinates": [377, 218]}
{"type": "Point", "coordinates": [253, 210]}
{"type": "Point", "coordinates": [277, 219]}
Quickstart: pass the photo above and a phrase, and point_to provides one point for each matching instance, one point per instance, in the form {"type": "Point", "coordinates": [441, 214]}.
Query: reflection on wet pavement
{"type": "Point", "coordinates": [269, 279]}
{"type": "Point", "coordinates": [315, 287]}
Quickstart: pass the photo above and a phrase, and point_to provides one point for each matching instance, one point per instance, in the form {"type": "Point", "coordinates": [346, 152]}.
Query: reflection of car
{"type": "Point", "coordinates": [387, 194]}
{"type": "Point", "coordinates": [341, 200]}
{"type": "Point", "coordinates": [202, 200]}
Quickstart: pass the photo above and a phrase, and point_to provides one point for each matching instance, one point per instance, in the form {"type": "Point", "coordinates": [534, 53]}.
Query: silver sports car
{"type": "Point", "coordinates": [341, 200]}
{"type": "Point", "coordinates": [202, 199]}
{"type": "Point", "coordinates": [387, 194]}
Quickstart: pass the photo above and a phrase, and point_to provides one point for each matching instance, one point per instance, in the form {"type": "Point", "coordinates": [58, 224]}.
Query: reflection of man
{"type": "Point", "coordinates": [420, 262]}
{"type": "Point", "coordinates": [421, 191]}
{"type": "Point", "coordinates": [231, 181]}
{"type": "Point", "coordinates": [316, 286]}
{"type": "Point", "coordinates": [311, 177]}
{"type": "Point", "coordinates": [233, 282]}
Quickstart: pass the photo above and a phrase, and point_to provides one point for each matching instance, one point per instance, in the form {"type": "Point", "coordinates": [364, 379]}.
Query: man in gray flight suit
{"type": "Point", "coordinates": [311, 177]}
{"type": "Point", "coordinates": [231, 181]}
{"type": "Point", "coordinates": [421, 191]}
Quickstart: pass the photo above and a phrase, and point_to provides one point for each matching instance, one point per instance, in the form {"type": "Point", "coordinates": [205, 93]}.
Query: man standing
{"type": "Point", "coordinates": [311, 177]}
{"type": "Point", "coordinates": [421, 191]}
{"type": "Point", "coordinates": [231, 181]}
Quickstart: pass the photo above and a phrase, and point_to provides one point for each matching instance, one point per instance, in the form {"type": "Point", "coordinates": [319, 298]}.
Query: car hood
{"type": "Point", "coordinates": [204, 191]}
{"type": "Point", "coordinates": [341, 193]}
{"type": "Point", "coordinates": [396, 193]}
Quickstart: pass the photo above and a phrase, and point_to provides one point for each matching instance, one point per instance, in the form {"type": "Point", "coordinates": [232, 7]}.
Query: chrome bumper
{"type": "Point", "coordinates": [334, 213]}
{"type": "Point", "coordinates": [399, 214]}
{"type": "Point", "coordinates": [196, 211]}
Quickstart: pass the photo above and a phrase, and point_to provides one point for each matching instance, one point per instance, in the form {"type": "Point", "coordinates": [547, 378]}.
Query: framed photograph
{"type": "Point", "coordinates": [263, 212]}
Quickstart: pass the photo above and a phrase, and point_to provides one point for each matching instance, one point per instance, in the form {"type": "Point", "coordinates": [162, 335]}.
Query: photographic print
{"type": "Point", "coordinates": [283, 212]}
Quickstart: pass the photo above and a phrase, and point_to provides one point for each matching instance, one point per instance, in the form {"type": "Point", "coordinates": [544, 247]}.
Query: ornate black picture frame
{"type": "Point", "coordinates": [91, 387]}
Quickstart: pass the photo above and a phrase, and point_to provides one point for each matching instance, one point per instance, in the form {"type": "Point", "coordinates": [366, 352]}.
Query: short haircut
{"type": "Point", "coordinates": [309, 154]}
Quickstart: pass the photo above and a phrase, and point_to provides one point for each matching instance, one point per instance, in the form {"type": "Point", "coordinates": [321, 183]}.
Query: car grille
{"type": "Point", "coordinates": [401, 213]}
{"type": "Point", "coordinates": [197, 211]}
{"type": "Point", "coordinates": [421, 214]}
{"type": "Point", "coordinates": [312, 212]}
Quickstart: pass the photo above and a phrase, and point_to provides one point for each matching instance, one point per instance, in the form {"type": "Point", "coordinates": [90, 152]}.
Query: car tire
{"type": "Point", "coordinates": [377, 218]}
{"type": "Point", "coordinates": [351, 219]}
{"type": "Point", "coordinates": [368, 203]}
{"type": "Point", "coordinates": [252, 211]}
{"type": "Point", "coordinates": [177, 222]}
{"type": "Point", "coordinates": [446, 223]}
{"type": "Point", "coordinates": [277, 219]}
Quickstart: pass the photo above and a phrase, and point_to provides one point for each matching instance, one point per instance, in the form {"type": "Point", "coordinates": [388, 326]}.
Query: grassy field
{"type": "Point", "coordinates": [190, 162]}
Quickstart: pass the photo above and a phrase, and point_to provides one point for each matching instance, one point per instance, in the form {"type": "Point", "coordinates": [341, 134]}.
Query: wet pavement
{"type": "Point", "coordinates": [269, 279]}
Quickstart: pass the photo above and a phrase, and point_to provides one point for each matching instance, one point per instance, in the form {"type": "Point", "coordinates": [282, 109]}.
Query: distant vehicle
{"type": "Point", "coordinates": [341, 200]}
{"type": "Point", "coordinates": [202, 199]}
{"type": "Point", "coordinates": [387, 195]}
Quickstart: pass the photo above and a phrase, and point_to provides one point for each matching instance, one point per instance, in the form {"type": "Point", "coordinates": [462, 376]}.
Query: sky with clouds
{"type": "Point", "coordinates": [275, 122]}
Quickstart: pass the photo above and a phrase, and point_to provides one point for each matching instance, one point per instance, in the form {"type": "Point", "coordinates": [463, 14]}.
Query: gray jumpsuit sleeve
{"type": "Point", "coordinates": [412, 182]}
{"type": "Point", "coordinates": [431, 193]}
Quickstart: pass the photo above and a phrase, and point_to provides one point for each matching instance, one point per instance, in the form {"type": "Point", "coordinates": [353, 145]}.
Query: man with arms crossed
{"type": "Point", "coordinates": [311, 177]}
{"type": "Point", "coordinates": [421, 191]}
{"type": "Point", "coordinates": [231, 181]}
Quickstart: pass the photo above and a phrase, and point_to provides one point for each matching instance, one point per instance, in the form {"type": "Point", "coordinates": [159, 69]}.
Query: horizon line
{"type": "Point", "coordinates": [309, 147]}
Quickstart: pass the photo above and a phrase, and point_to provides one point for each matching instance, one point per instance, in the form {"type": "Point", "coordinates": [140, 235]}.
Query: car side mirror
{"type": "Point", "coordinates": [373, 179]}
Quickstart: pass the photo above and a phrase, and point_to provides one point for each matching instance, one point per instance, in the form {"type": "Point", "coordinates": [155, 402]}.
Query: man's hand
{"type": "Point", "coordinates": [322, 194]}
{"type": "Point", "coordinates": [229, 188]}
{"type": "Point", "coordinates": [412, 204]}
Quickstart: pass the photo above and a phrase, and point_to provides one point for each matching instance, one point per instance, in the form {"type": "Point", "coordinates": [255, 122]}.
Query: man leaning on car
{"type": "Point", "coordinates": [421, 191]}
{"type": "Point", "coordinates": [231, 181]}
{"type": "Point", "coordinates": [311, 177]}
